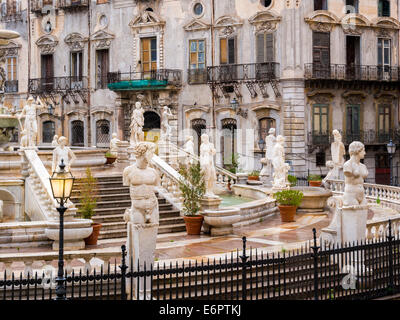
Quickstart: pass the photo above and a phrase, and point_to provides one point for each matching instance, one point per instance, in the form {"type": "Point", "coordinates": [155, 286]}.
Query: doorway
{"type": "Point", "coordinates": [353, 70]}
{"type": "Point", "coordinates": [199, 126]}
{"type": "Point", "coordinates": [382, 168]}
{"type": "Point", "coordinates": [152, 125]}
{"type": "Point", "coordinates": [47, 72]}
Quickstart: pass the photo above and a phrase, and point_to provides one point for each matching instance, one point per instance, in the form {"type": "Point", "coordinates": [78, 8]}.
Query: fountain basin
{"type": "Point", "coordinates": [314, 199]}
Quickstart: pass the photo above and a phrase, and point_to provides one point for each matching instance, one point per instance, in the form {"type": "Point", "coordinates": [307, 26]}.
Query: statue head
{"type": "Point", "coordinates": [30, 100]}
{"type": "Point", "coordinates": [55, 138]}
{"type": "Point", "coordinates": [271, 131]}
{"type": "Point", "coordinates": [205, 138]}
{"type": "Point", "coordinates": [329, 164]}
{"type": "Point", "coordinates": [336, 135]}
{"type": "Point", "coordinates": [144, 152]}
{"type": "Point", "coordinates": [356, 148]}
{"type": "Point", "coordinates": [138, 105]}
{"type": "Point", "coordinates": [62, 141]}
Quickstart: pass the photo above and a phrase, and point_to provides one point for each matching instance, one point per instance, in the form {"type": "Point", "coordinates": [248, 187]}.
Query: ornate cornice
{"type": "Point", "coordinates": [227, 25]}
{"type": "Point", "coordinates": [102, 39]}
{"type": "Point", "coordinates": [75, 41]}
{"type": "Point", "coordinates": [47, 44]}
{"type": "Point", "coordinates": [10, 49]}
{"type": "Point", "coordinates": [265, 21]}
{"type": "Point", "coordinates": [196, 25]}
{"type": "Point", "coordinates": [146, 19]}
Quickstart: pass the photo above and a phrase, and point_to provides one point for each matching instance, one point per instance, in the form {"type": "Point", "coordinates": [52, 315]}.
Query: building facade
{"type": "Point", "coordinates": [232, 68]}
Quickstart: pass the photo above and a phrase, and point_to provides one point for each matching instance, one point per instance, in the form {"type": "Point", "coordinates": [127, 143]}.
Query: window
{"type": "Point", "coordinates": [149, 54]}
{"type": "Point", "coordinates": [320, 159]}
{"type": "Point", "coordinates": [48, 131]}
{"type": "Point", "coordinates": [320, 124]}
{"type": "Point", "coordinates": [197, 61]}
{"type": "Point", "coordinates": [265, 47]}
{"type": "Point", "coordinates": [321, 55]}
{"type": "Point", "coordinates": [11, 68]}
{"type": "Point", "coordinates": [264, 125]}
{"type": "Point", "coordinates": [102, 68]}
{"type": "Point", "coordinates": [227, 50]}
{"type": "Point", "coordinates": [77, 133]}
{"type": "Point", "coordinates": [12, 7]}
{"type": "Point", "coordinates": [266, 3]}
{"type": "Point", "coordinates": [384, 119]}
{"type": "Point", "coordinates": [384, 48]}
{"type": "Point", "coordinates": [353, 123]}
{"type": "Point", "coordinates": [198, 9]}
{"type": "Point", "coordinates": [320, 5]}
{"type": "Point", "coordinates": [228, 142]}
{"type": "Point", "coordinates": [199, 126]}
{"type": "Point", "coordinates": [351, 6]}
{"type": "Point", "coordinates": [102, 1]}
{"type": "Point", "coordinates": [76, 66]}
{"type": "Point", "coordinates": [102, 133]}
{"type": "Point", "coordinates": [384, 8]}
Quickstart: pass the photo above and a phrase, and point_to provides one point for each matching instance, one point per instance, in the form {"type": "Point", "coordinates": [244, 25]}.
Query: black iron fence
{"type": "Point", "coordinates": [316, 71]}
{"type": "Point", "coordinates": [363, 270]}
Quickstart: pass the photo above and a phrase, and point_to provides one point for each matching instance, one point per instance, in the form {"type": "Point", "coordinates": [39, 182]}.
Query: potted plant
{"type": "Point", "coordinates": [288, 201]}
{"type": "Point", "coordinates": [254, 175]}
{"type": "Point", "coordinates": [192, 186]}
{"type": "Point", "coordinates": [314, 180]}
{"type": "Point", "coordinates": [110, 158]}
{"type": "Point", "coordinates": [292, 180]}
{"type": "Point", "coordinates": [88, 203]}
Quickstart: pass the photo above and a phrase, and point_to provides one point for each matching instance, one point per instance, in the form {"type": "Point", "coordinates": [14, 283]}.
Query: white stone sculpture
{"type": "Point", "coordinates": [165, 127]}
{"type": "Point", "coordinates": [338, 152]}
{"type": "Point", "coordinates": [62, 152]}
{"type": "Point", "coordinates": [143, 216]}
{"type": "Point", "coordinates": [1, 211]}
{"type": "Point", "coordinates": [54, 143]}
{"type": "Point", "coordinates": [281, 168]}
{"type": "Point", "coordinates": [24, 139]}
{"type": "Point", "coordinates": [207, 152]}
{"type": "Point", "coordinates": [189, 150]}
{"type": "Point", "coordinates": [114, 145]}
{"type": "Point", "coordinates": [137, 123]}
{"type": "Point", "coordinates": [30, 124]}
{"type": "Point", "coordinates": [266, 172]}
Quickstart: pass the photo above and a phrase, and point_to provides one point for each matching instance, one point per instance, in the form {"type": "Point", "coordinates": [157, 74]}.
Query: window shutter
{"type": "Point", "coordinates": [260, 48]}
{"type": "Point", "coordinates": [223, 51]}
{"type": "Point", "coordinates": [269, 45]}
{"type": "Point", "coordinates": [231, 49]}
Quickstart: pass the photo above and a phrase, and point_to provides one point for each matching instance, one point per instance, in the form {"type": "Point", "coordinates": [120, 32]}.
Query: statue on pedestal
{"type": "Point", "coordinates": [62, 152]}
{"type": "Point", "coordinates": [137, 123]}
{"type": "Point", "coordinates": [338, 152]}
{"type": "Point", "coordinates": [207, 152]}
{"type": "Point", "coordinates": [165, 127]}
{"type": "Point", "coordinates": [281, 168]}
{"type": "Point", "coordinates": [270, 141]}
{"type": "Point", "coordinates": [114, 145]}
{"type": "Point", "coordinates": [30, 124]}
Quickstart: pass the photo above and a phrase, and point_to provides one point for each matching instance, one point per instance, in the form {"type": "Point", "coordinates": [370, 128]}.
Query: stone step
{"type": "Point", "coordinates": [105, 197]}
{"type": "Point", "coordinates": [101, 191]}
{"type": "Point", "coordinates": [121, 233]}
{"type": "Point", "coordinates": [102, 185]}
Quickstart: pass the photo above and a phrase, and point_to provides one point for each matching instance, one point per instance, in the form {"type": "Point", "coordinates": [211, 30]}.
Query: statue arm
{"type": "Point", "coordinates": [72, 157]}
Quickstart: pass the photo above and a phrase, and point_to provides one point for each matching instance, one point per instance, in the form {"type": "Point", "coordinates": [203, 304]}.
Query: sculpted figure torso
{"type": "Point", "coordinates": [207, 152]}
{"type": "Point", "coordinates": [278, 161]}
{"type": "Point", "coordinates": [114, 145]}
{"type": "Point", "coordinates": [165, 127]}
{"type": "Point", "coordinates": [355, 172]}
{"type": "Point", "coordinates": [337, 149]}
{"type": "Point", "coordinates": [137, 123]}
{"type": "Point", "coordinates": [270, 141]}
{"type": "Point", "coordinates": [62, 152]}
{"type": "Point", "coordinates": [142, 181]}
{"type": "Point", "coordinates": [30, 125]}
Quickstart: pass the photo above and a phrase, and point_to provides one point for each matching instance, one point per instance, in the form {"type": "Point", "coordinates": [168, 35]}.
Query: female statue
{"type": "Point", "coordinates": [207, 152]}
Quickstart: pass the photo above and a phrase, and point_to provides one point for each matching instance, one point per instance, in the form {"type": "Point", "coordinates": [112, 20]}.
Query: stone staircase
{"type": "Point", "coordinates": [112, 200]}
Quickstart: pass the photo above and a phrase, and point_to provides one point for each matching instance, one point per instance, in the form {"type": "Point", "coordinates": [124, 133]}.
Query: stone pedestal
{"type": "Point", "coordinates": [266, 176]}
{"type": "Point", "coordinates": [354, 223]}
{"type": "Point", "coordinates": [210, 203]}
{"type": "Point", "coordinates": [220, 222]}
{"type": "Point", "coordinates": [241, 178]}
{"type": "Point", "coordinates": [141, 247]}
{"type": "Point", "coordinates": [123, 155]}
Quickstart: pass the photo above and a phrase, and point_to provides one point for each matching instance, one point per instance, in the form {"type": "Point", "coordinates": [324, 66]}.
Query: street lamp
{"type": "Point", "coordinates": [234, 104]}
{"type": "Point", "coordinates": [391, 149]}
{"type": "Point", "coordinates": [261, 144]}
{"type": "Point", "coordinates": [61, 186]}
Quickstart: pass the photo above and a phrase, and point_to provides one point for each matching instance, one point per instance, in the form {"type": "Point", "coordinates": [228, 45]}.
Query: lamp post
{"type": "Point", "coordinates": [234, 104]}
{"type": "Point", "coordinates": [391, 148]}
{"type": "Point", "coordinates": [61, 183]}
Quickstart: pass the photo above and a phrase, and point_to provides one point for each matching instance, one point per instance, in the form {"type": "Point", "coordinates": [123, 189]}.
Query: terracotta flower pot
{"type": "Point", "coordinates": [92, 239]}
{"type": "Point", "coordinates": [193, 224]}
{"type": "Point", "coordinates": [253, 178]}
{"type": "Point", "coordinates": [315, 183]}
{"type": "Point", "coordinates": [110, 160]}
{"type": "Point", "coordinates": [287, 213]}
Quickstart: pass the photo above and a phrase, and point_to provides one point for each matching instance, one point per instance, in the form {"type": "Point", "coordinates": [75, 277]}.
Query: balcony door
{"type": "Point", "coordinates": [353, 123]}
{"type": "Point", "coordinates": [149, 56]}
{"type": "Point", "coordinates": [353, 71]}
{"type": "Point", "coordinates": [102, 68]}
{"type": "Point", "coordinates": [384, 124]}
{"type": "Point", "coordinates": [47, 72]}
{"type": "Point", "coordinates": [320, 123]}
{"type": "Point", "coordinates": [227, 59]}
{"type": "Point", "coordinates": [76, 66]}
{"type": "Point", "coordinates": [384, 58]}
{"type": "Point", "coordinates": [321, 55]}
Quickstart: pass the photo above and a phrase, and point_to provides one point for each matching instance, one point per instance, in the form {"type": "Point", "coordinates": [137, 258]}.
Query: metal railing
{"type": "Point", "coordinates": [315, 71]}
{"type": "Point", "coordinates": [70, 4]}
{"type": "Point", "coordinates": [57, 84]}
{"type": "Point", "coordinates": [171, 76]}
{"type": "Point", "coordinates": [11, 86]}
{"type": "Point", "coordinates": [364, 270]}
{"type": "Point", "coordinates": [197, 76]}
{"type": "Point", "coordinates": [243, 72]}
{"type": "Point", "coordinates": [368, 137]}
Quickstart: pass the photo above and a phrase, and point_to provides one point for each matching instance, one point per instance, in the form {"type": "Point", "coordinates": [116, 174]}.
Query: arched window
{"type": "Point", "coordinates": [198, 125]}
{"type": "Point", "coordinates": [228, 143]}
{"type": "Point", "coordinates": [77, 133]}
{"type": "Point", "coordinates": [102, 133]}
{"type": "Point", "coordinates": [48, 131]}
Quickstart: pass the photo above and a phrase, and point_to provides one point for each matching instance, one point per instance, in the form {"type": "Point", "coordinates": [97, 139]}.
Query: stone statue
{"type": "Point", "coordinates": [30, 125]}
{"type": "Point", "coordinates": [270, 140]}
{"type": "Point", "coordinates": [24, 139]}
{"type": "Point", "coordinates": [165, 127]}
{"type": "Point", "coordinates": [189, 149]}
{"type": "Point", "coordinates": [137, 123]}
{"type": "Point", "coordinates": [1, 211]}
{"type": "Point", "coordinates": [62, 152]}
{"type": "Point", "coordinates": [338, 151]}
{"type": "Point", "coordinates": [207, 152]}
{"type": "Point", "coordinates": [54, 143]}
{"type": "Point", "coordinates": [281, 168]}
{"type": "Point", "coordinates": [354, 174]}
{"type": "Point", "coordinates": [114, 145]}
{"type": "Point", "coordinates": [142, 179]}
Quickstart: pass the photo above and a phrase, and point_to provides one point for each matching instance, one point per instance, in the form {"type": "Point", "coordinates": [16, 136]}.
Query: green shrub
{"type": "Point", "coordinates": [109, 155]}
{"type": "Point", "coordinates": [314, 177]}
{"type": "Point", "coordinates": [254, 173]}
{"type": "Point", "coordinates": [289, 197]}
{"type": "Point", "coordinates": [292, 180]}
{"type": "Point", "coordinates": [233, 166]}
{"type": "Point", "coordinates": [193, 188]}
{"type": "Point", "coordinates": [87, 190]}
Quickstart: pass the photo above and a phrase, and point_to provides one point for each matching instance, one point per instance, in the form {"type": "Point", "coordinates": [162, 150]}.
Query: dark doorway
{"type": "Point", "coordinates": [382, 168]}
{"type": "Point", "coordinates": [320, 4]}
{"type": "Point", "coordinates": [353, 57]}
{"type": "Point", "coordinates": [48, 131]}
{"type": "Point", "coordinates": [198, 125]}
{"type": "Point", "coordinates": [47, 72]}
{"type": "Point", "coordinates": [152, 125]}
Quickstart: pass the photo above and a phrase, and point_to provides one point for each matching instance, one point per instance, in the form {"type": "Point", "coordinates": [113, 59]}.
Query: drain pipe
{"type": "Point", "coordinates": [213, 126]}
{"type": "Point", "coordinates": [89, 135]}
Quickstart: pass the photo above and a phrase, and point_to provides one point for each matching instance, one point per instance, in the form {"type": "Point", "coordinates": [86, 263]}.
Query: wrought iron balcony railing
{"type": "Point", "coordinates": [57, 84]}
{"type": "Point", "coordinates": [243, 72]}
{"type": "Point", "coordinates": [71, 4]}
{"type": "Point", "coordinates": [142, 80]}
{"type": "Point", "coordinates": [368, 137]}
{"type": "Point", "coordinates": [315, 71]}
{"type": "Point", "coordinates": [197, 76]}
{"type": "Point", "coordinates": [11, 86]}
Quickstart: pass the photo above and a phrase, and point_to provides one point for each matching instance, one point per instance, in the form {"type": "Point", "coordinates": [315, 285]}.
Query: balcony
{"type": "Point", "coordinates": [11, 86]}
{"type": "Point", "coordinates": [197, 76]}
{"type": "Point", "coordinates": [151, 80]}
{"type": "Point", "coordinates": [368, 137]}
{"type": "Point", "coordinates": [73, 4]}
{"type": "Point", "coordinates": [66, 87]}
